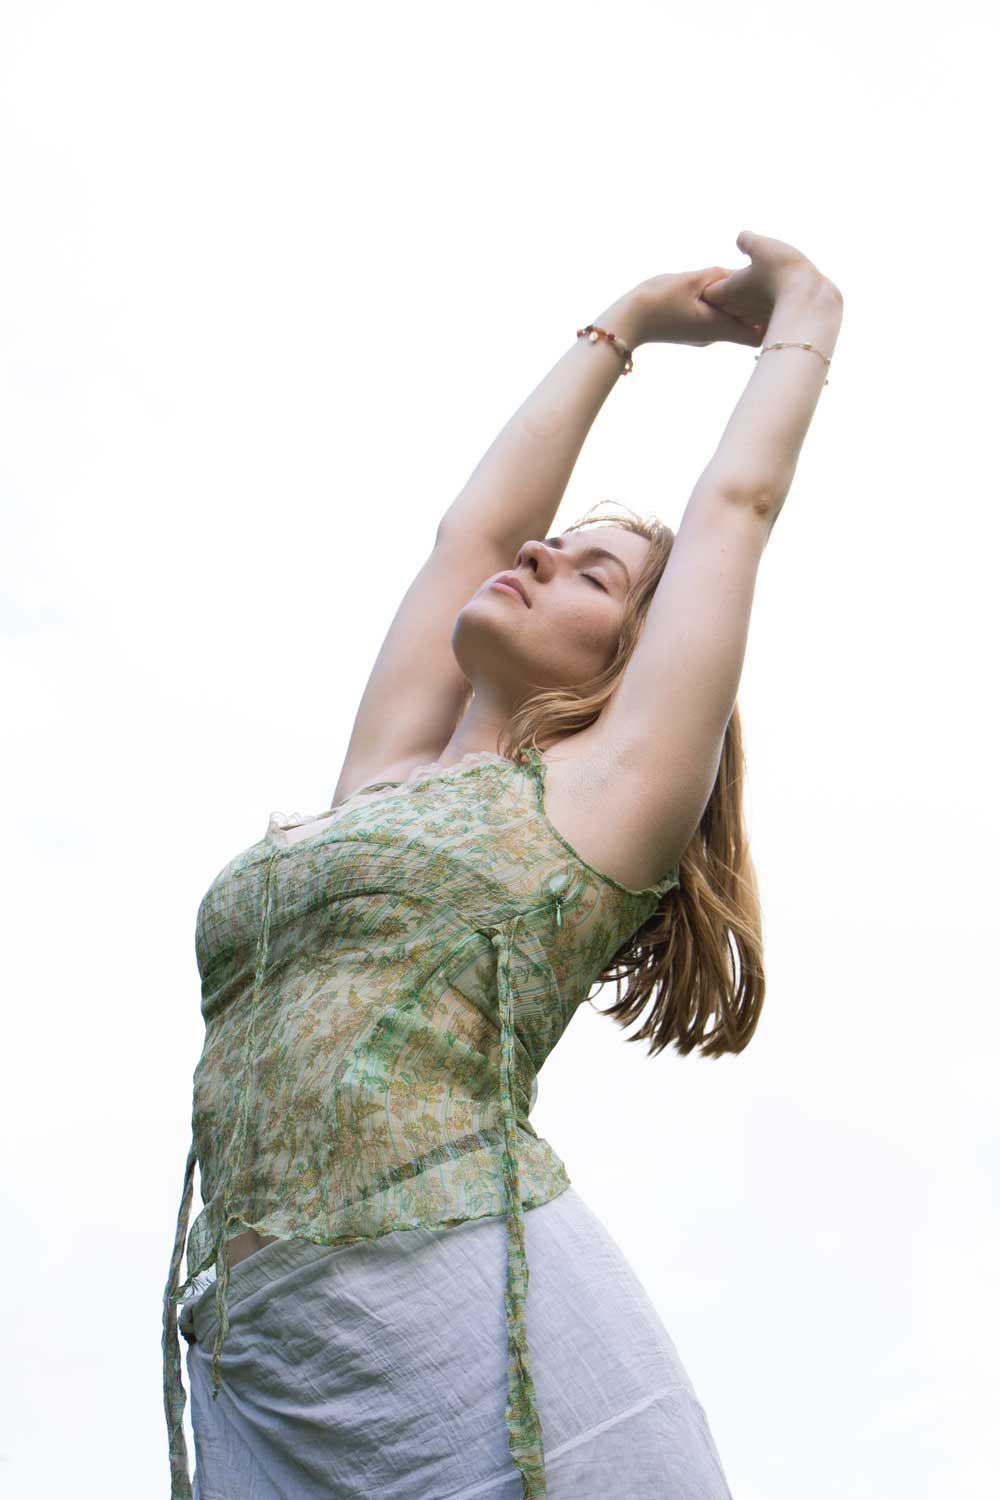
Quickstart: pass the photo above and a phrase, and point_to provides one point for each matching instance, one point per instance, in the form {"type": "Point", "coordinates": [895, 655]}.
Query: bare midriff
{"type": "Point", "coordinates": [242, 1245]}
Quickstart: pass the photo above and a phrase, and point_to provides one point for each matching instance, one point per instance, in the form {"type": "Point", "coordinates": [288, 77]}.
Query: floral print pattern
{"type": "Point", "coordinates": [381, 984]}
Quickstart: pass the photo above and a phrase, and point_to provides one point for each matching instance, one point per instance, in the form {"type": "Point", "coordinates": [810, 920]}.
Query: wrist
{"type": "Point", "coordinates": [806, 286]}
{"type": "Point", "coordinates": [624, 319]}
{"type": "Point", "coordinates": [807, 308]}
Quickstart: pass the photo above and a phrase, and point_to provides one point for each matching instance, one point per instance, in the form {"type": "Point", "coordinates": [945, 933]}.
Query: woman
{"type": "Point", "coordinates": [382, 982]}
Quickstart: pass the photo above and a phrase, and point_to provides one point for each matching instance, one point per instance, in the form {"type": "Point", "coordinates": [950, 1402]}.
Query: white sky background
{"type": "Point", "coordinates": [271, 280]}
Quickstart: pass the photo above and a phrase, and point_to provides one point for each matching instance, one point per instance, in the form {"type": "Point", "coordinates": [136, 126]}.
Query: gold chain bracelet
{"type": "Point", "coordinates": [789, 344]}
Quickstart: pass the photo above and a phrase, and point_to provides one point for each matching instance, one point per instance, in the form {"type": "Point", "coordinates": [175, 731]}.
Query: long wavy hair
{"type": "Point", "coordinates": [700, 953]}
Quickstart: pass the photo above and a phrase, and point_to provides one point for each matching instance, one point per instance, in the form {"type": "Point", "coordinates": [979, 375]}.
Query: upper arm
{"type": "Point", "coordinates": [666, 722]}
{"type": "Point", "coordinates": [416, 689]}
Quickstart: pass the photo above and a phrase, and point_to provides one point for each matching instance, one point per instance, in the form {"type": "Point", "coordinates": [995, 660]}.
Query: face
{"type": "Point", "coordinates": [567, 630]}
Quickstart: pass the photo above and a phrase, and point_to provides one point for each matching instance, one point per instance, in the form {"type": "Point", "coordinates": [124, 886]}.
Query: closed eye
{"type": "Point", "coordinates": [600, 585]}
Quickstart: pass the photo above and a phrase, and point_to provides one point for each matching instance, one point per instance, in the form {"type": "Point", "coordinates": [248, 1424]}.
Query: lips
{"type": "Point", "coordinates": [514, 583]}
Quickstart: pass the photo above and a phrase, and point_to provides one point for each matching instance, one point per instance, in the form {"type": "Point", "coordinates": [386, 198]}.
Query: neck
{"type": "Point", "coordinates": [479, 728]}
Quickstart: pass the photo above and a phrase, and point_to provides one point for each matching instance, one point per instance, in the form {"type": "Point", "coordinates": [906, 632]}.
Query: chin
{"type": "Point", "coordinates": [485, 653]}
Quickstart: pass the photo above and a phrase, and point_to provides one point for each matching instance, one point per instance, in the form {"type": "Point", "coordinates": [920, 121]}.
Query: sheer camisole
{"type": "Point", "coordinates": [380, 986]}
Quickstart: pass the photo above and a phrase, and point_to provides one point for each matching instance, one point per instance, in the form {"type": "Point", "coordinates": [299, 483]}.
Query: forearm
{"type": "Point", "coordinates": [515, 490]}
{"type": "Point", "coordinates": [758, 452]}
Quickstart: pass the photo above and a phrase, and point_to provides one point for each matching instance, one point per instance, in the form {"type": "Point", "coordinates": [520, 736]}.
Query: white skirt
{"type": "Point", "coordinates": [379, 1370]}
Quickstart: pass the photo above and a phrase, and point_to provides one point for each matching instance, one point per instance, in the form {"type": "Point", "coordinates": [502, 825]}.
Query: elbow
{"type": "Point", "coordinates": [763, 501]}
{"type": "Point", "coordinates": [762, 495]}
{"type": "Point", "coordinates": [765, 504]}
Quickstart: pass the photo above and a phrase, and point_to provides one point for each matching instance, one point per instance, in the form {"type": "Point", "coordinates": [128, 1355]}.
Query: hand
{"type": "Point", "coordinates": [671, 309]}
{"type": "Point", "coordinates": [750, 293]}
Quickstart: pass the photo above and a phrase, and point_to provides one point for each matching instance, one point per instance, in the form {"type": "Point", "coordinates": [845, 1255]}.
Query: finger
{"type": "Point", "coordinates": [751, 337]}
{"type": "Point", "coordinates": [725, 326]}
{"type": "Point", "coordinates": [715, 291]}
{"type": "Point", "coordinates": [735, 332]}
{"type": "Point", "coordinates": [733, 281]}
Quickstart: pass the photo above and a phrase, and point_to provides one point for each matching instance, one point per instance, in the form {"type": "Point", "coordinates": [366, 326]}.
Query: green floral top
{"type": "Point", "coordinates": [381, 984]}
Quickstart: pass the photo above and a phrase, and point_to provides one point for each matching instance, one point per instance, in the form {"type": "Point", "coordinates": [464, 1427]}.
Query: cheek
{"type": "Point", "coordinates": [589, 632]}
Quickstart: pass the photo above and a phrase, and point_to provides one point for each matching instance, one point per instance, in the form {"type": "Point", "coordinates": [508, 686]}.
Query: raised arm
{"type": "Point", "coordinates": [516, 488]}
{"type": "Point", "coordinates": [415, 690]}
{"type": "Point", "coordinates": [758, 451]}
{"type": "Point", "coordinates": [666, 723]}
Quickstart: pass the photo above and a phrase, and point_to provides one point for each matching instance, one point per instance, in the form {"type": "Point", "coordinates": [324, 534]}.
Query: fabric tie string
{"type": "Point", "coordinates": [523, 1422]}
{"type": "Point", "coordinates": [242, 1128]}
{"type": "Point", "coordinates": [174, 1395]}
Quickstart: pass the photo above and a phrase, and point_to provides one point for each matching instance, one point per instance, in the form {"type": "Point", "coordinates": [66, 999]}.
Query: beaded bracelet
{"type": "Point", "coordinates": [593, 333]}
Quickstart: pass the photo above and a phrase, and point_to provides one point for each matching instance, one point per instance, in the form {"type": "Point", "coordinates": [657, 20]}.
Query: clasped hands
{"type": "Point", "coordinates": [716, 304]}
{"type": "Point", "coordinates": [673, 309]}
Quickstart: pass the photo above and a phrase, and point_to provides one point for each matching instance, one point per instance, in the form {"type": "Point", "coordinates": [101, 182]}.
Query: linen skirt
{"type": "Point", "coordinates": [378, 1371]}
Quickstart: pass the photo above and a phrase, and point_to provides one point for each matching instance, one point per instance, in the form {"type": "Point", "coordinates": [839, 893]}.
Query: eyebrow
{"type": "Point", "coordinates": [592, 551]}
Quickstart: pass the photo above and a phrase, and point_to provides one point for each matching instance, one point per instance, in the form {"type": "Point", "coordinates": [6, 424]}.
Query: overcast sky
{"type": "Point", "coordinates": [272, 277]}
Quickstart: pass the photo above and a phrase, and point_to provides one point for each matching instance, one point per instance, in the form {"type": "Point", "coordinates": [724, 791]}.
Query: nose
{"type": "Point", "coordinates": [536, 555]}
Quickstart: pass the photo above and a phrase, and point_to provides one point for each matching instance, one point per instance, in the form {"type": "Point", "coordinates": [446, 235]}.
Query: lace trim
{"type": "Point", "coordinates": [279, 822]}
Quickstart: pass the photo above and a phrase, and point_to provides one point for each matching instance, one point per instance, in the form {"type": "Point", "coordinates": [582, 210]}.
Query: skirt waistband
{"type": "Point", "coordinates": [199, 1315]}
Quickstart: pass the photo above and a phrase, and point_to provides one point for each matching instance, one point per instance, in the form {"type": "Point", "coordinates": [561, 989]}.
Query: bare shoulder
{"type": "Point", "coordinates": [607, 810]}
{"type": "Point", "coordinates": [618, 813]}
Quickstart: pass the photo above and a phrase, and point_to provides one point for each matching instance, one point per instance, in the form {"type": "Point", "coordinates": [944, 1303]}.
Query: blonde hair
{"type": "Point", "coordinates": [701, 951]}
